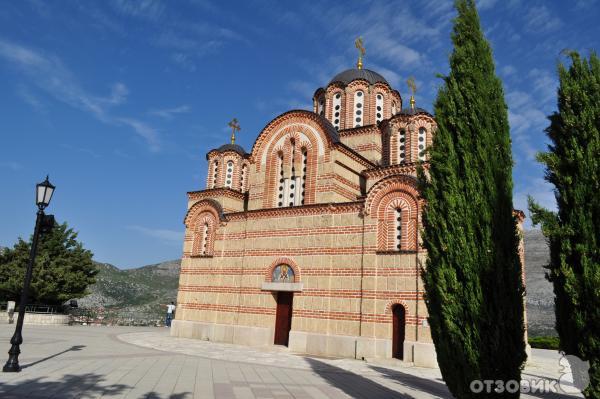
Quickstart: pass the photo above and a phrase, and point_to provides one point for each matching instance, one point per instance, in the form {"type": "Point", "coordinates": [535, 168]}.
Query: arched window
{"type": "Point", "coordinates": [243, 178]}
{"type": "Point", "coordinates": [303, 181]}
{"type": "Point", "coordinates": [203, 231]}
{"type": "Point", "coordinates": [229, 176]}
{"type": "Point", "coordinates": [379, 107]}
{"type": "Point", "coordinates": [337, 110]}
{"type": "Point", "coordinates": [203, 247]}
{"type": "Point", "coordinates": [422, 141]}
{"type": "Point", "coordinates": [394, 108]}
{"type": "Point", "coordinates": [280, 179]}
{"type": "Point", "coordinates": [401, 145]}
{"type": "Point", "coordinates": [358, 108]}
{"type": "Point", "coordinates": [321, 105]}
{"type": "Point", "coordinates": [398, 223]}
{"type": "Point", "coordinates": [215, 174]}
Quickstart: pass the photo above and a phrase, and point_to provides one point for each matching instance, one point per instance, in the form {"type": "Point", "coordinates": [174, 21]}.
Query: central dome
{"type": "Point", "coordinates": [354, 74]}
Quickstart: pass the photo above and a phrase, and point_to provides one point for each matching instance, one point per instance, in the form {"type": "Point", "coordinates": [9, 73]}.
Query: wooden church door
{"type": "Point", "coordinates": [283, 317]}
{"type": "Point", "coordinates": [398, 331]}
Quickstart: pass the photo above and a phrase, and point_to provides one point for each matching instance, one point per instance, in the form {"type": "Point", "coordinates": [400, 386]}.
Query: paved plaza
{"type": "Point", "coordinates": [136, 362]}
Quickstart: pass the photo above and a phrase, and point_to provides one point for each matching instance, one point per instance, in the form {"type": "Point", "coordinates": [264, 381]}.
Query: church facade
{"type": "Point", "coordinates": [310, 239]}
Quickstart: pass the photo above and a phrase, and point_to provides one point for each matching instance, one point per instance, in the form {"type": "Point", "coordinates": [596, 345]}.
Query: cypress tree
{"type": "Point", "coordinates": [573, 167]}
{"type": "Point", "coordinates": [473, 276]}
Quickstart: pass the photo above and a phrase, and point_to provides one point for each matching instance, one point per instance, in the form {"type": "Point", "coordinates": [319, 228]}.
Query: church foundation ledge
{"type": "Point", "coordinates": [227, 333]}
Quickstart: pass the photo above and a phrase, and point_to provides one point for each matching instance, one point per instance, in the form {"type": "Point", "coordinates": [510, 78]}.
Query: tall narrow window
{"type": "Point", "coordinates": [398, 231]}
{"type": "Point", "coordinates": [215, 174]}
{"type": "Point", "coordinates": [321, 105]}
{"type": "Point", "coordinates": [280, 179]}
{"type": "Point", "coordinates": [243, 178]}
{"type": "Point", "coordinates": [358, 108]}
{"type": "Point", "coordinates": [379, 107]}
{"type": "Point", "coordinates": [203, 248]}
{"type": "Point", "coordinates": [337, 109]}
{"type": "Point", "coordinates": [394, 108]}
{"type": "Point", "coordinates": [304, 164]}
{"type": "Point", "coordinates": [229, 176]}
{"type": "Point", "coordinates": [401, 145]}
{"type": "Point", "coordinates": [291, 184]}
{"type": "Point", "coordinates": [422, 141]}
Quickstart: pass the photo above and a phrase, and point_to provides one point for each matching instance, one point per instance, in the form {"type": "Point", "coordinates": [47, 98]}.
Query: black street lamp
{"type": "Point", "coordinates": [43, 224]}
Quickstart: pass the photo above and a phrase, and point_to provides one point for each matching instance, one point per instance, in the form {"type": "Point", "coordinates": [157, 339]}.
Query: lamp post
{"type": "Point", "coordinates": [43, 223]}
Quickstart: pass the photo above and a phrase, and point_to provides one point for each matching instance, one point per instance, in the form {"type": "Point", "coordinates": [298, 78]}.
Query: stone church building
{"type": "Point", "coordinates": [310, 238]}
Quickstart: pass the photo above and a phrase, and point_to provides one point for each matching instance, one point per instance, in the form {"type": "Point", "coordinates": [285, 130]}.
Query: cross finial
{"type": "Point", "coordinates": [358, 43]}
{"type": "Point", "coordinates": [235, 127]}
{"type": "Point", "coordinates": [413, 88]}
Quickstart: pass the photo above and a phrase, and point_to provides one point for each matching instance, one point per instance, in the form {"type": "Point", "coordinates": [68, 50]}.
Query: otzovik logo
{"type": "Point", "coordinates": [575, 375]}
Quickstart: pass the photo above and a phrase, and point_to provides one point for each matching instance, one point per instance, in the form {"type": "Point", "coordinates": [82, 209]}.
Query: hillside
{"type": "Point", "coordinates": [540, 295]}
{"type": "Point", "coordinates": [140, 290]}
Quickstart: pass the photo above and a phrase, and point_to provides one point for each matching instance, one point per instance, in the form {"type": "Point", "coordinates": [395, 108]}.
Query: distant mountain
{"type": "Point", "coordinates": [139, 290]}
{"type": "Point", "coordinates": [540, 294]}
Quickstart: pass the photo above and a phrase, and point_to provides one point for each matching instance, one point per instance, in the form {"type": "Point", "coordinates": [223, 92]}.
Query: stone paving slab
{"type": "Point", "coordinates": [135, 362]}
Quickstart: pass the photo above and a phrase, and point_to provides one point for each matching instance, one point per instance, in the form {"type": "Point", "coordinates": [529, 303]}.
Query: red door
{"type": "Point", "coordinates": [398, 331]}
{"type": "Point", "coordinates": [283, 317]}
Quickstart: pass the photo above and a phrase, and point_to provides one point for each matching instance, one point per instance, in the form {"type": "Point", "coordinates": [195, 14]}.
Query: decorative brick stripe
{"type": "Point", "coordinates": [306, 210]}
{"type": "Point", "coordinates": [357, 250]}
{"type": "Point", "coordinates": [297, 232]}
{"type": "Point", "coordinates": [368, 147]}
{"type": "Point", "coordinates": [308, 314]}
{"type": "Point", "coordinates": [309, 292]}
{"type": "Point", "coordinates": [306, 271]}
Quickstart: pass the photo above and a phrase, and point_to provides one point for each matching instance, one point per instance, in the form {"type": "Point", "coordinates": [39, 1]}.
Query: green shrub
{"type": "Point", "coordinates": [544, 342]}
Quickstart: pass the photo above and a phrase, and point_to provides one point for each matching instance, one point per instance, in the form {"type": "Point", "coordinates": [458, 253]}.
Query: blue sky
{"type": "Point", "coordinates": [119, 101]}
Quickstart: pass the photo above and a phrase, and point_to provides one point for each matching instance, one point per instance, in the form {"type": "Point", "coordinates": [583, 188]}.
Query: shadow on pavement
{"type": "Point", "coordinates": [432, 387]}
{"type": "Point", "coordinates": [74, 348]}
{"type": "Point", "coordinates": [352, 384]}
{"type": "Point", "coordinates": [73, 386]}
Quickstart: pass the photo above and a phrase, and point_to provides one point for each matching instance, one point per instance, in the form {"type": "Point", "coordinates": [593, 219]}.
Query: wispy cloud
{"type": "Point", "coordinates": [169, 113]}
{"type": "Point", "coordinates": [49, 74]}
{"type": "Point", "coordinates": [545, 85]}
{"type": "Point", "coordinates": [541, 20]}
{"type": "Point", "coordinates": [149, 9]}
{"type": "Point", "coordinates": [14, 166]}
{"type": "Point", "coordinates": [165, 235]}
{"type": "Point", "coordinates": [29, 98]}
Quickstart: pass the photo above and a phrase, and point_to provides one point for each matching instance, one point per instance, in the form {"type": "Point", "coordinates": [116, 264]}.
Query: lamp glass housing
{"type": "Point", "coordinates": [44, 191]}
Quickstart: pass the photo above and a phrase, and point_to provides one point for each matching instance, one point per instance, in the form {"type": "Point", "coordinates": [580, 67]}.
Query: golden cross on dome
{"type": "Point", "coordinates": [413, 88]}
{"type": "Point", "coordinates": [235, 127]}
{"type": "Point", "coordinates": [358, 43]}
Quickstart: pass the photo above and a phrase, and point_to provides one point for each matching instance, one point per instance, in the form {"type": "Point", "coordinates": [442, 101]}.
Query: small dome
{"type": "Point", "coordinates": [411, 111]}
{"type": "Point", "coordinates": [230, 147]}
{"type": "Point", "coordinates": [354, 74]}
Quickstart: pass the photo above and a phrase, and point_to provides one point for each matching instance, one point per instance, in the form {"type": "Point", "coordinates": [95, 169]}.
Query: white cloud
{"type": "Point", "coordinates": [545, 85]}
{"type": "Point", "coordinates": [49, 74]}
{"type": "Point", "coordinates": [486, 4]}
{"type": "Point", "coordinates": [541, 20]}
{"type": "Point", "coordinates": [167, 236]}
{"type": "Point", "coordinates": [143, 130]}
{"type": "Point", "coordinates": [149, 9]}
{"type": "Point", "coordinates": [169, 113]}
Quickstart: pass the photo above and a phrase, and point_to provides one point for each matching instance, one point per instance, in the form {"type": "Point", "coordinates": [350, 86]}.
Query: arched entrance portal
{"type": "Point", "coordinates": [399, 324]}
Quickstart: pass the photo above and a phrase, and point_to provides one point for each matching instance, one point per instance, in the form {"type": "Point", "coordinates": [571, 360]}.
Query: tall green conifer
{"type": "Point", "coordinates": [473, 280]}
{"type": "Point", "coordinates": [573, 167]}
